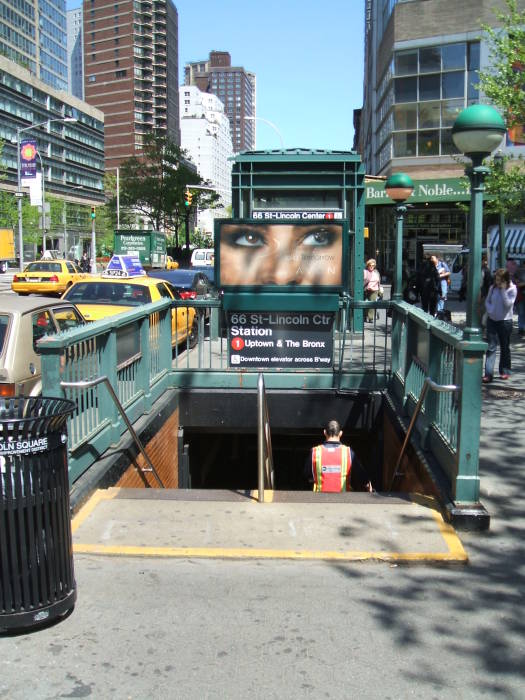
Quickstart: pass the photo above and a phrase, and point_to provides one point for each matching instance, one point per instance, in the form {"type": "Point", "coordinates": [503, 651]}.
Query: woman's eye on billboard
{"type": "Point", "coordinates": [281, 254]}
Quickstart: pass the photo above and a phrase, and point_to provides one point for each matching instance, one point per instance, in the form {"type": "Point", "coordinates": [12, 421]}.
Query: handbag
{"type": "Point", "coordinates": [380, 292]}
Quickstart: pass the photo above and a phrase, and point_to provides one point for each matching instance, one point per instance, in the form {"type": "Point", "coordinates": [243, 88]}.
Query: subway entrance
{"type": "Point", "coordinates": [218, 436]}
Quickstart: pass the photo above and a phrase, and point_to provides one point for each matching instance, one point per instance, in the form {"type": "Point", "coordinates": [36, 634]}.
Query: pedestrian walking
{"type": "Point", "coordinates": [519, 281]}
{"type": "Point", "coordinates": [428, 286]}
{"type": "Point", "coordinates": [372, 286]}
{"type": "Point", "coordinates": [334, 467]}
{"type": "Point", "coordinates": [444, 281]}
{"type": "Point", "coordinates": [499, 304]}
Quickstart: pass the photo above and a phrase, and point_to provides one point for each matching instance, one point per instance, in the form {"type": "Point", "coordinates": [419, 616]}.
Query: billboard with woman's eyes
{"type": "Point", "coordinates": [251, 253]}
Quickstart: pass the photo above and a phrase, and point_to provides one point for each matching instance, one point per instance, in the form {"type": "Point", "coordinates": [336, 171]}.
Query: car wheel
{"type": "Point", "coordinates": [23, 294]}
{"type": "Point", "coordinates": [193, 337]}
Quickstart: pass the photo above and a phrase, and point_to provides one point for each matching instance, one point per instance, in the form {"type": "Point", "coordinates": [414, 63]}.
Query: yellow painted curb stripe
{"type": "Point", "coordinates": [268, 495]}
{"type": "Point", "coordinates": [90, 505]}
{"type": "Point", "coordinates": [254, 553]}
{"type": "Point", "coordinates": [451, 539]}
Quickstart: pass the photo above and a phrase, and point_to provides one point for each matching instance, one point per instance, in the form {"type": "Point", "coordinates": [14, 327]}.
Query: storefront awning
{"type": "Point", "coordinates": [514, 240]}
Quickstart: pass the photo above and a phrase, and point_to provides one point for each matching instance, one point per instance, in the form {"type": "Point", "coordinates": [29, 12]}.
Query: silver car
{"type": "Point", "coordinates": [23, 322]}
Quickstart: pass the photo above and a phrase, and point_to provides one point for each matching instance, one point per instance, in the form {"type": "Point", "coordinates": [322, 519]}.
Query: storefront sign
{"type": "Point", "coordinates": [435, 190]}
{"type": "Point", "coordinates": [281, 339]}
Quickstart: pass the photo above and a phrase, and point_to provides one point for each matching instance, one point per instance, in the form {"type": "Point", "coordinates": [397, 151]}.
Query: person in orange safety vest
{"type": "Point", "coordinates": [334, 466]}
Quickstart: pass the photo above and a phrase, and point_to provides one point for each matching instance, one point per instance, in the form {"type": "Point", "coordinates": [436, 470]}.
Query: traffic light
{"type": "Point", "coordinates": [93, 212]}
{"type": "Point", "coordinates": [187, 198]}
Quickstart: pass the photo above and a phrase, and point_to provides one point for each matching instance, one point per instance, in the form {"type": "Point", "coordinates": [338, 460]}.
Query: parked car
{"type": "Point", "coordinates": [23, 322]}
{"type": "Point", "coordinates": [202, 257]}
{"type": "Point", "coordinates": [99, 297]}
{"type": "Point", "coordinates": [191, 284]}
{"type": "Point", "coordinates": [47, 277]}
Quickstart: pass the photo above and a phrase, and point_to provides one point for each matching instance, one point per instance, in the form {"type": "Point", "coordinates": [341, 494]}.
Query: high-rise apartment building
{"type": "Point", "coordinates": [33, 34]}
{"type": "Point", "coordinates": [205, 134]}
{"type": "Point", "coordinates": [422, 63]}
{"type": "Point", "coordinates": [236, 89]}
{"type": "Point", "coordinates": [75, 53]}
{"type": "Point", "coordinates": [131, 72]}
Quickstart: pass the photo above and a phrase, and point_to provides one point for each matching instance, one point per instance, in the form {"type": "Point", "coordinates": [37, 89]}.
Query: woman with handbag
{"type": "Point", "coordinates": [372, 285]}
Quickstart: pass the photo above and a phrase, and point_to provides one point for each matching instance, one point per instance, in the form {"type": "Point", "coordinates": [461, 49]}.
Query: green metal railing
{"type": "Point", "coordinates": [394, 354]}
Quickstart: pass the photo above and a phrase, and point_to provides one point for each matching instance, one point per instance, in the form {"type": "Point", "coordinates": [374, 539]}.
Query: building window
{"type": "Point", "coordinates": [92, 78]}
{"type": "Point", "coordinates": [120, 73]}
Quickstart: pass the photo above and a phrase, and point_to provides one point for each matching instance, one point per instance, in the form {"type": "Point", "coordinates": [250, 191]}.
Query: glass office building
{"type": "Point", "coordinates": [34, 35]}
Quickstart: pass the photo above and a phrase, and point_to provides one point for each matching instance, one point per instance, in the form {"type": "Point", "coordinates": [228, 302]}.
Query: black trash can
{"type": "Point", "coordinates": [37, 581]}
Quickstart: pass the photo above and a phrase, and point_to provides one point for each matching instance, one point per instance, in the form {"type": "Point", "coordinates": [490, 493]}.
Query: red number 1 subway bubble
{"type": "Point", "coordinates": [237, 344]}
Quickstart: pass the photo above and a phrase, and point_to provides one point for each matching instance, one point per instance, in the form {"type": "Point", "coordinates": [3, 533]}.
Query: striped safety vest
{"type": "Point", "coordinates": [331, 467]}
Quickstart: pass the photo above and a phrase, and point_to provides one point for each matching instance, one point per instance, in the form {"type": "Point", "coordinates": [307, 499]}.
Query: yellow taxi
{"type": "Point", "coordinates": [120, 289]}
{"type": "Point", "coordinates": [171, 264]}
{"type": "Point", "coordinates": [47, 277]}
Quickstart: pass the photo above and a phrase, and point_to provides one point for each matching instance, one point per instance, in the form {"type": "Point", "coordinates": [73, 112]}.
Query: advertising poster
{"type": "Point", "coordinates": [280, 339]}
{"type": "Point", "coordinates": [28, 158]}
{"type": "Point", "coordinates": [257, 254]}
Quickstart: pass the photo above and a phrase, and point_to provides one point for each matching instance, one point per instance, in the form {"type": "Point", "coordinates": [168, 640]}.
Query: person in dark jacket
{"type": "Point", "coordinates": [429, 286]}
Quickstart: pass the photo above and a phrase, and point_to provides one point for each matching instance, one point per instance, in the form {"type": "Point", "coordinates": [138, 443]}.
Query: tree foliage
{"type": "Point", "coordinates": [154, 185]}
{"type": "Point", "coordinates": [504, 84]}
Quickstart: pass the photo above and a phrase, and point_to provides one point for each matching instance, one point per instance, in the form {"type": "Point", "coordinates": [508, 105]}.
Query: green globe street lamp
{"type": "Point", "coordinates": [477, 131]}
{"type": "Point", "coordinates": [399, 187]}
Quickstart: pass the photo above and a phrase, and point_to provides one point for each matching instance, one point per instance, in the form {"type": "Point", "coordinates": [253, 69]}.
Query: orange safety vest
{"type": "Point", "coordinates": [331, 467]}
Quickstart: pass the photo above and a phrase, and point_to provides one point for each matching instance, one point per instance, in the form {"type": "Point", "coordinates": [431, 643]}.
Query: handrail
{"type": "Point", "coordinates": [264, 441]}
{"type": "Point", "coordinates": [427, 384]}
{"type": "Point", "coordinates": [87, 384]}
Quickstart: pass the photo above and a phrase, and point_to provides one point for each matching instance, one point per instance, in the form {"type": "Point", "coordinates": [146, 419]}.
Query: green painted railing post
{"type": "Point", "coordinates": [434, 372]}
{"type": "Point", "coordinates": [165, 338]}
{"type": "Point", "coordinates": [467, 480]}
{"type": "Point", "coordinates": [108, 368]}
{"type": "Point", "coordinates": [143, 369]}
{"type": "Point", "coordinates": [51, 375]}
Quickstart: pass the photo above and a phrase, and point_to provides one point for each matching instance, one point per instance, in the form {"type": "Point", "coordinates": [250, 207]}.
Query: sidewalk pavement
{"type": "Point", "coordinates": [153, 627]}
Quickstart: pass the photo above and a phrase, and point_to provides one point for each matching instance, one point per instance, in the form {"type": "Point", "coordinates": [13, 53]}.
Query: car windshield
{"type": "Point", "coordinates": [4, 323]}
{"type": "Point", "coordinates": [107, 292]}
{"type": "Point", "coordinates": [44, 267]}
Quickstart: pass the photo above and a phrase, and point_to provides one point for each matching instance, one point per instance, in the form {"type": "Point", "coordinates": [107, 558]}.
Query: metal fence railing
{"type": "Point", "coordinates": [395, 353]}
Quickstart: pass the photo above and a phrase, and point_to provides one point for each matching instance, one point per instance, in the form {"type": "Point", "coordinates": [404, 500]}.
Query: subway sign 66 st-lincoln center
{"type": "Point", "coordinates": [275, 339]}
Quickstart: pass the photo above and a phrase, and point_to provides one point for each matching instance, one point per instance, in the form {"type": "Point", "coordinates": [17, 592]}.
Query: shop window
{"type": "Point", "coordinates": [429, 114]}
{"type": "Point", "coordinates": [453, 84]}
{"type": "Point", "coordinates": [405, 89]}
{"type": "Point", "coordinates": [429, 87]}
{"type": "Point", "coordinates": [430, 59]}
{"type": "Point", "coordinates": [473, 56]}
{"type": "Point", "coordinates": [447, 145]}
{"type": "Point", "coordinates": [405, 117]}
{"type": "Point", "coordinates": [405, 62]}
{"type": "Point", "coordinates": [404, 144]}
{"type": "Point", "coordinates": [450, 110]}
{"type": "Point", "coordinates": [428, 143]}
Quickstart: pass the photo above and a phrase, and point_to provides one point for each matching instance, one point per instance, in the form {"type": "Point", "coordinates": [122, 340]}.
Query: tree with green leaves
{"type": "Point", "coordinates": [504, 84]}
{"type": "Point", "coordinates": [154, 185]}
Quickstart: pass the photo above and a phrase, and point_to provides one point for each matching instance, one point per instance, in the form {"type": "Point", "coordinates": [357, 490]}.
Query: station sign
{"type": "Point", "coordinates": [303, 215]}
{"type": "Point", "coordinates": [280, 339]}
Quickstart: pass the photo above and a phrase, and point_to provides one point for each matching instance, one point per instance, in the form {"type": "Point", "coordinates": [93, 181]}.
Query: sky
{"type": "Point", "coordinates": [307, 56]}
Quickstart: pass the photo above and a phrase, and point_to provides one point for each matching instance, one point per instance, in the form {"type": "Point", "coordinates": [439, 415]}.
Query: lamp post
{"type": "Point", "coordinates": [499, 161]}
{"type": "Point", "coordinates": [399, 187]}
{"type": "Point", "coordinates": [477, 131]}
{"type": "Point", "coordinates": [43, 218]}
{"type": "Point", "coordinates": [19, 194]}
{"type": "Point", "coordinates": [267, 121]}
